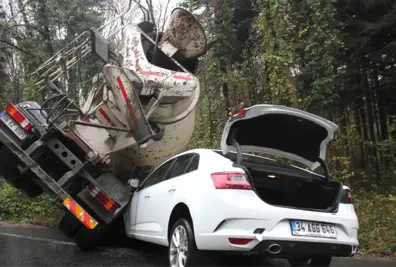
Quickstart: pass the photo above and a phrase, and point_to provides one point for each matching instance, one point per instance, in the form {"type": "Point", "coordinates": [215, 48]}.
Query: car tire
{"type": "Point", "coordinates": [182, 245]}
{"type": "Point", "coordinates": [323, 261]}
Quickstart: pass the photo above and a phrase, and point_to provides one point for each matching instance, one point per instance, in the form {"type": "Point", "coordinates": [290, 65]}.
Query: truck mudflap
{"type": "Point", "coordinates": [82, 215]}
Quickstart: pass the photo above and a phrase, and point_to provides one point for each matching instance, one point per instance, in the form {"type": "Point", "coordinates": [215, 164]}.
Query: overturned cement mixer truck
{"type": "Point", "coordinates": [139, 111]}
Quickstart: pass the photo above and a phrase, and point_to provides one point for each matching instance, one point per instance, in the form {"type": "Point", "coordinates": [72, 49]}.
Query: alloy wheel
{"type": "Point", "coordinates": [178, 247]}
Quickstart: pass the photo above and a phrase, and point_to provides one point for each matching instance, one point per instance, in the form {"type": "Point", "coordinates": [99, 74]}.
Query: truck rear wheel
{"type": "Point", "coordinates": [69, 224]}
{"type": "Point", "coordinates": [87, 239]}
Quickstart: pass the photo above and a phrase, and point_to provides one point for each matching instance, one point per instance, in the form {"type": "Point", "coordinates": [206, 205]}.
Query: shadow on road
{"type": "Point", "coordinates": [157, 255]}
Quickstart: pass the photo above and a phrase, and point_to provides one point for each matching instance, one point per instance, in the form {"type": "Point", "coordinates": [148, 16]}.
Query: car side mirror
{"type": "Point", "coordinates": [134, 183]}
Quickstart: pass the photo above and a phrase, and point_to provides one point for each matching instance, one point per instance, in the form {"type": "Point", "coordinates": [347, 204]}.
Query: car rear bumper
{"type": "Point", "coordinates": [286, 248]}
{"type": "Point", "coordinates": [289, 246]}
{"type": "Point", "coordinates": [241, 214]}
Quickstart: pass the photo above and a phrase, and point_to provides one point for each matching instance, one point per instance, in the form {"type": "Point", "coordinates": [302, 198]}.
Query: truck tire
{"type": "Point", "coordinates": [87, 239]}
{"type": "Point", "coordinates": [23, 182]}
{"type": "Point", "coordinates": [69, 224]}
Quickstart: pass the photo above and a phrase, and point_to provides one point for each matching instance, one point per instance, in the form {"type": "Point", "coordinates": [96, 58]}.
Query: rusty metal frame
{"type": "Point", "coordinates": [32, 165]}
{"type": "Point", "coordinates": [55, 187]}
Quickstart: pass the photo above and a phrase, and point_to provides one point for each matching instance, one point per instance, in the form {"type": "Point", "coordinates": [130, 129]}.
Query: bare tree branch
{"type": "Point", "coordinates": [111, 4]}
{"type": "Point", "coordinates": [15, 47]}
{"type": "Point", "coordinates": [144, 10]}
{"type": "Point", "coordinates": [151, 11]}
{"type": "Point", "coordinates": [165, 18]}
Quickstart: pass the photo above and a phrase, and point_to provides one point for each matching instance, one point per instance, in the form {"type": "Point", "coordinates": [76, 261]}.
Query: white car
{"type": "Point", "coordinates": [230, 201]}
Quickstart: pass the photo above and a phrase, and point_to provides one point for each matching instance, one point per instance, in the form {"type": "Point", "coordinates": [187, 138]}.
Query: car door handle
{"type": "Point", "coordinates": [147, 196]}
{"type": "Point", "coordinates": [172, 190]}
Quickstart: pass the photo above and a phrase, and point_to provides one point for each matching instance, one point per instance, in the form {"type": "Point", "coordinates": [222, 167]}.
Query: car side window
{"type": "Point", "coordinates": [179, 166]}
{"type": "Point", "coordinates": [193, 165]}
{"type": "Point", "coordinates": [158, 175]}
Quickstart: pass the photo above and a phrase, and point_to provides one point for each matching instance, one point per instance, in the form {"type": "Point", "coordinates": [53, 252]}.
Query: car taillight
{"type": "Point", "coordinates": [350, 199]}
{"type": "Point", "coordinates": [109, 204]}
{"type": "Point", "coordinates": [18, 117]}
{"type": "Point", "coordinates": [230, 180]}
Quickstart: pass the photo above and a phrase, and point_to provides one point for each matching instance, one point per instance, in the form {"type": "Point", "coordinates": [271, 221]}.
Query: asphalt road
{"type": "Point", "coordinates": [38, 246]}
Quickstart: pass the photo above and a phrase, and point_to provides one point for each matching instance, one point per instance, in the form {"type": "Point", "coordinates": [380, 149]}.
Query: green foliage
{"type": "Point", "coordinates": [275, 49]}
{"type": "Point", "coordinates": [377, 216]}
{"type": "Point", "coordinates": [342, 171]}
{"type": "Point", "coordinates": [45, 27]}
{"type": "Point", "coordinates": [321, 47]}
{"type": "Point", "coordinates": [16, 207]}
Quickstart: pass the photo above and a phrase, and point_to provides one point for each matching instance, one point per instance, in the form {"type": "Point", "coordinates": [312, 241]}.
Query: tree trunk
{"type": "Point", "coordinates": [4, 56]}
{"type": "Point", "coordinates": [370, 122]}
{"type": "Point", "coordinates": [209, 109]}
{"type": "Point", "coordinates": [44, 22]}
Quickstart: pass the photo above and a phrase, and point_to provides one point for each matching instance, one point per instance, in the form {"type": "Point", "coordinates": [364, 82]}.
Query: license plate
{"type": "Point", "coordinates": [314, 229]}
{"type": "Point", "coordinates": [13, 126]}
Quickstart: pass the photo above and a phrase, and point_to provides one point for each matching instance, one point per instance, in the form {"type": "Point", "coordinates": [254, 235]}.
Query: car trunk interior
{"type": "Point", "coordinates": [283, 185]}
{"type": "Point", "coordinates": [285, 189]}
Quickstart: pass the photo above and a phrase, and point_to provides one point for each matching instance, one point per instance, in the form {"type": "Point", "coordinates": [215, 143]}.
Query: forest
{"type": "Point", "coordinates": [334, 58]}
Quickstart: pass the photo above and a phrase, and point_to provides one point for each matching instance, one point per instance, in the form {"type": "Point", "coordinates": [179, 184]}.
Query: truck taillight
{"type": "Point", "coordinates": [18, 117]}
{"type": "Point", "coordinates": [230, 180]}
{"type": "Point", "coordinates": [109, 204]}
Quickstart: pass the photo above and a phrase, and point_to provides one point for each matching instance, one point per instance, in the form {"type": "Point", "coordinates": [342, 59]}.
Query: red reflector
{"type": "Point", "coordinates": [18, 117]}
{"type": "Point", "coordinates": [239, 241]}
{"type": "Point", "coordinates": [230, 180]}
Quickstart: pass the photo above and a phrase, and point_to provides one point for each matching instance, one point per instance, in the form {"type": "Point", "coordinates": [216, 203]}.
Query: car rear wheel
{"type": "Point", "coordinates": [182, 249]}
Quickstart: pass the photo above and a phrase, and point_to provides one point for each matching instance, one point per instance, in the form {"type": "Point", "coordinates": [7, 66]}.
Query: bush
{"type": "Point", "coordinates": [377, 217]}
{"type": "Point", "coordinates": [17, 207]}
{"type": "Point", "coordinates": [375, 207]}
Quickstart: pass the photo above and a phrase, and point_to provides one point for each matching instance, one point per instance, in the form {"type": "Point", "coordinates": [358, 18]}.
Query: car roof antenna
{"type": "Point", "coordinates": [235, 143]}
{"type": "Point", "coordinates": [325, 168]}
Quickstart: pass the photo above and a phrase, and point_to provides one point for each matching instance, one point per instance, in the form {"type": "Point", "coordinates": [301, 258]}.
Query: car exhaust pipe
{"type": "Point", "coordinates": [274, 249]}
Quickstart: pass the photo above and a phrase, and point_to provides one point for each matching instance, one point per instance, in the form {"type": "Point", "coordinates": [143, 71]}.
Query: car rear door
{"type": "Point", "coordinates": [171, 190]}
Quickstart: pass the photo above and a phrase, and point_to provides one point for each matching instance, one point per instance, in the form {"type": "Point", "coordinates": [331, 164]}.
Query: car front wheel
{"type": "Point", "coordinates": [182, 248]}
